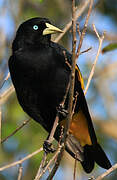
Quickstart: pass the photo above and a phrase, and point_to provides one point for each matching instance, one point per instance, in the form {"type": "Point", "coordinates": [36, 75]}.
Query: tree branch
{"type": "Point", "coordinates": [5, 95]}
{"type": "Point", "coordinates": [71, 92]}
{"type": "Point", "coordinates": [50, 139]}
{"type": "Point", "coordinates": [16, 130]}
{"type": "Point", "coordinates": [22, 160]}
{"type": "Point", "coordinates": [20, 170]}
{"type": "Point", "coordinates": [95, 61]}
{"type": "Point", "coordinates": [71, 89]}
{"type": "Point", "coordinates": [114, 167]}
{"type": "Point", "coordinates": [79, 12]}
{"type": "Point", "coordinates": [75, 165]}
{"type": "Point", "coordinates": [50, 162]}
{"type": "Point", "coordinates": [84, 29]}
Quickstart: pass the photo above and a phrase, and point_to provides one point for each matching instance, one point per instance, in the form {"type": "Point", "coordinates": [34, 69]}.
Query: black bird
{"type": "Point", "coordinates": [40, 75]}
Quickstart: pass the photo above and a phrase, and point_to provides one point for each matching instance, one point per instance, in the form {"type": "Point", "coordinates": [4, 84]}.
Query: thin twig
{"type": "Point", "coordinates": [7, 77]}
{"type": "Point", "coordinates": [57, 163]}
{"type": "Point", "coordinates": [40, 170]}
{"type": "Point", "coordinates": [75, 165]}
{"type": "Point", "coordinates": [72, 80]}
{"type": "Point", "coordinates": [78, 14]}
{"type": "Point", "coordinates": [20, 170]}
{"type": "Point", "coordinates": [22, 160]}
{"type": "Point", "coordinates": [86, 50]}
{"type": "Point", "coordinates": [95, 61]}
{"type": "Point", "coordinates": [91, 178]}
{"type": "Point", "coordinates": [50, 162]}
{"type": "Point", "coordinates": [66, 60]}
{"type": "Point", "coordinates": [5, 95]}
{"type": "Point", "coordinates": [50, 139]}
{"type": "Point", "coordinates": [114, 167]}
{"type": "Point", "coordinates": [16, 130]}
{"type": "Point", "coordinates": [78, 29]}
{"type": "Point", "coordinates": [58, 156]}
{"type": "Point", "coordinates": [74, 104]}
{"type": "Point", "coordinates": [84, 29]}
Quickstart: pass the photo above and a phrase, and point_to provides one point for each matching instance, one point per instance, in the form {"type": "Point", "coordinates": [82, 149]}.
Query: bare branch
{"type": "Point", "coordinates": [4, 96]}
{"type": "Point", "coordinates": [50, 139]}
{"type": "Point", "coordinates": [7, 77]}
{"type": "Point", "coordinates": [20, 170]}
{"type": "Point", "coordinates": [86, 50]}
{"type": "Point", "coordinates": [114, 167]}
{"type": "Point", "coordinates": [84, 29]}
{"type": "Point", "coordinates": [74, 174]}
{"type": "Point", "coordinates": [49, 163]}
{"type": "Point", "coordinates": [71, 89]}
{"type": "Point", "coordinates": [66, 60]}
{"type": "Point", "coordinates": [78, 30]}
{"type": "Point", "coordinates": [78, 14]}
{"type": "Point", "coordinates": [40, 170]}
{"type": "Point", "coordinates": [95, 61]}
{"type": "Point", "coordinates": [74, 104]}
{"type": "Point", "coordinates": [57, 163]}
{"type": "Point", "coordinates": [22, 160]}
{"type": "Point", "coordinates": [16, 130]}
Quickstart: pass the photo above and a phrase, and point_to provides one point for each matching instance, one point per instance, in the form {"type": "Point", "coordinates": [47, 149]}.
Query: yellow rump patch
{"type": "Point", "coordinates": [79, 128]}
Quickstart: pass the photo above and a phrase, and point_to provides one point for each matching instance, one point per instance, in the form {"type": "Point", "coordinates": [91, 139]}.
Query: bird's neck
{"type": "Point", "coordinates": [24, 43]}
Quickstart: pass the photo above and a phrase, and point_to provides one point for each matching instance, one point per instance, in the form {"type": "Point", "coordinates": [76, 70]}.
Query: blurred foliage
{"type": "Point", "coordinates": [109, 47]}
{"type": "Point", "coordinates": [108, 7]}
{"type": "Point", "coordinates": [101, 96]}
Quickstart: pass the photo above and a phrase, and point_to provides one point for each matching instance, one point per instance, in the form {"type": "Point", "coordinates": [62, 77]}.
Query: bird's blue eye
{"type": "Point", "coordinates": [35, 27]}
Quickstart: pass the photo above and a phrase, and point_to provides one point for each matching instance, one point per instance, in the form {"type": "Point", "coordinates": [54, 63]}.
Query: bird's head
{"type": "Point", "coordinates": [35, 31]}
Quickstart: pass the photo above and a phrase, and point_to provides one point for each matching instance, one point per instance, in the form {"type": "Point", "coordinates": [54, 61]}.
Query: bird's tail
{"type": "Point", "coordinates": [87, 155]}
{"type": "Point", "coordinates": [92, 154]}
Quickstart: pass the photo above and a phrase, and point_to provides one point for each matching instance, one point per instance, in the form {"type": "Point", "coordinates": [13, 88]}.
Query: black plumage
{"type": "Point", "coordinates": [40, 76]}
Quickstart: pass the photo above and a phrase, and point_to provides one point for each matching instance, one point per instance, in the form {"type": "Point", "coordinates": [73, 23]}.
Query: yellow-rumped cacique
{"type": "Point", "coordinates": [40, 75]}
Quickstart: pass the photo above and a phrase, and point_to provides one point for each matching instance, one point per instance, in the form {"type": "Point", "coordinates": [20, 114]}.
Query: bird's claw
{"type": "Point", "coordinates": [62, 111]}
{"type": "Point", "coordinates": [47, 147]}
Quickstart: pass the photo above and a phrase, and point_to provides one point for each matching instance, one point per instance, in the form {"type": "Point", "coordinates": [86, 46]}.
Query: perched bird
{"type": "Point", "coordinates": [40, 75]}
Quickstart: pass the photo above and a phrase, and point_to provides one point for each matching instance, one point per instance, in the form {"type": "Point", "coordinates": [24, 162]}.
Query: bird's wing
{"type": "Point", "coordinates": [82, 142]}
{"type": "Point", "coordinates": [79, 75]}
{"type": "Point", "coordinates": [66, 56]}
{"type": "Point", "coordinates": [82, 125]}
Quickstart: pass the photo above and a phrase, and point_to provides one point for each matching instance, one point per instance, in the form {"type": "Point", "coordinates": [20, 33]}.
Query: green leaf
{"type": "Point", "coordinates": [110, 47]}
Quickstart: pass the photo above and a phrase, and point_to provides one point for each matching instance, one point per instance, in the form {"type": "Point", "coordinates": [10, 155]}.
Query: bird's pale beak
{"type": "Point", "coordinates": [51, 29]}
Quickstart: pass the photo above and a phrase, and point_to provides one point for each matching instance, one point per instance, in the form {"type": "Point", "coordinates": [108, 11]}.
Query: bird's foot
{"type": "Point", "coordinates": [62, 111]}
{"type": "Point", "coordinates": [47, 147]}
